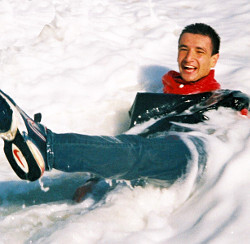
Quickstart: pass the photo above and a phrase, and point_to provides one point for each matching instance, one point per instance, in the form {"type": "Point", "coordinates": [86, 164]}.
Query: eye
{"type": "Point", "coordinates": [183, 49]}
{"type": "Point", "coordinates": [200, 51]}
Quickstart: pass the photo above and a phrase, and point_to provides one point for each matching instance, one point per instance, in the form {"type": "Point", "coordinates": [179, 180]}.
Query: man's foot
{"type": "Point", "coordinates": [24, 140]}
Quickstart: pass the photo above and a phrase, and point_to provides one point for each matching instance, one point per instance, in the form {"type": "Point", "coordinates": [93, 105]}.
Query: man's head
{"type": "Point", "coordinates": [204, 30]}
{"type": "Point", "coordinates": [198, 51]}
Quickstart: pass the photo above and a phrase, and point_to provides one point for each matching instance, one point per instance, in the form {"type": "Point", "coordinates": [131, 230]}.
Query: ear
{"type": "Point", "coordinates": [214, 60]}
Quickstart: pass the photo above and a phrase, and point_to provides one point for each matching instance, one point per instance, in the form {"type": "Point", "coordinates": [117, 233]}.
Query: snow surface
{"type": "Point", "coordinates": [81, 63]}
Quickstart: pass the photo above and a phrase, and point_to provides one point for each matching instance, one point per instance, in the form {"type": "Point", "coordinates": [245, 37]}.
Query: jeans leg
{"type": "Point", "coordinates": [125, 157]}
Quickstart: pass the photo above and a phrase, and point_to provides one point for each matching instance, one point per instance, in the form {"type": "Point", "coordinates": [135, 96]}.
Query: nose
{"type": "Point", "coordinates": [189, 56]}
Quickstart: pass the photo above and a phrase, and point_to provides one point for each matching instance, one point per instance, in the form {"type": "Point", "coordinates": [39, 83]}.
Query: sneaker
{"type": "Point", "coordinates": [24, 140]}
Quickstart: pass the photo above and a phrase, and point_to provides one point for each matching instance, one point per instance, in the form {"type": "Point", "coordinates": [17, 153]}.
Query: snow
{"type": "Point", "coordinates": [81, 63]}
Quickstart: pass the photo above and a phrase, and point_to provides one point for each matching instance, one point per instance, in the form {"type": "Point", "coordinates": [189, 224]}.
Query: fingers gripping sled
{"type": "Point", "coordinates": [24, 140]}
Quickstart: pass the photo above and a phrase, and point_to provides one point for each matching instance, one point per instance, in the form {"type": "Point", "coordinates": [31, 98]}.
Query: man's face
{"type": "Point", "coordinates": [195, 57]}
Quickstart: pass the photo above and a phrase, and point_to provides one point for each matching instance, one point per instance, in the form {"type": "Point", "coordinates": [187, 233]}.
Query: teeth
{"type": "Point", "coordinates": [189, 68]}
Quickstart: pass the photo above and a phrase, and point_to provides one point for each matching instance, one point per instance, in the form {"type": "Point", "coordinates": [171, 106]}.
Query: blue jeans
{"type": "Point", "coordinates": [127, 157]}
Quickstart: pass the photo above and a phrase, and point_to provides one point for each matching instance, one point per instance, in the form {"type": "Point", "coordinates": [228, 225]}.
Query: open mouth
{"type": "Point", "coordinates": [189, 68]}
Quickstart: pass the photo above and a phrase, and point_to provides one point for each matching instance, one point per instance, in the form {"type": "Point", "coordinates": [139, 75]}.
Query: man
{"type": "Point", "coordinates": [31, 148]}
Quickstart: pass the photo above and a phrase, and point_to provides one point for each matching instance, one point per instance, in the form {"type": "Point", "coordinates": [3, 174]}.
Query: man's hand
{"type": "Point", "coordinates": [83, 190]}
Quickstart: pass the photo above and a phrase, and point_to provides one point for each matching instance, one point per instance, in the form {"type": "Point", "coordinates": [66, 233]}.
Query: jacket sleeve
{"type": "Point", "coordinates": [236, 100]}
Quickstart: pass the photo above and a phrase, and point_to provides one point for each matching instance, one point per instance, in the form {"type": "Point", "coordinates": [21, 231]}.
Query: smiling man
{"type": "Point", "coordinates": [159, 154]}
{"type": "Point", "coordinates": [198, 53]}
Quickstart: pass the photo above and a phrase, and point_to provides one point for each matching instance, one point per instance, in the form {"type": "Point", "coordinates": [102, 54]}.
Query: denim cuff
{"type": "Point", "coordinates": [49, 148]}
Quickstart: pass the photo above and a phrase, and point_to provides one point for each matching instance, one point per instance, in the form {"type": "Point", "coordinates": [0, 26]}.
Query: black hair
{"type": "Point", "coordinates": [205, 30]}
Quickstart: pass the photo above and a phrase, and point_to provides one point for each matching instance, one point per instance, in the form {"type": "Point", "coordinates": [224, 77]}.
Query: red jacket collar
{"type": "Point", "coordinates": [173, 83]}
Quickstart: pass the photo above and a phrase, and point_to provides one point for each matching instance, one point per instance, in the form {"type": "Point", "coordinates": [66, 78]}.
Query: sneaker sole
{"type": "Point", "coordinates": [22, 154]}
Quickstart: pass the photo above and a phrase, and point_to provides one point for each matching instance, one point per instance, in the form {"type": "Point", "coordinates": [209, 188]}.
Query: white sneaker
{"type": "Point", "coordinates": [24, 140]}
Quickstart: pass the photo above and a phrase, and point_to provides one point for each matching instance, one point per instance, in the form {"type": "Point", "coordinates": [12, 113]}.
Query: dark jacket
{"type": "Point", "coordinates": [168, 108]}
